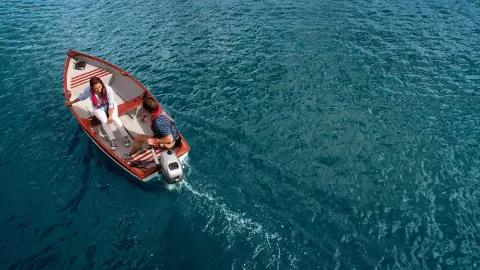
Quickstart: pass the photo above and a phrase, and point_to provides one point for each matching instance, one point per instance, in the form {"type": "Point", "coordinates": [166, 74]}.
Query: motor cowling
{"type": "Point", "coordinates": [171, 167]}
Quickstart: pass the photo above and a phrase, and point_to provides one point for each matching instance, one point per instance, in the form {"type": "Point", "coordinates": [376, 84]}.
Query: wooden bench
{"type": "Point", "coordinates": [122, 109]}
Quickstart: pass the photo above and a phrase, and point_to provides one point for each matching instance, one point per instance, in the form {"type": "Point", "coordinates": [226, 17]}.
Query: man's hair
{"type": "Point", "coordinates": [149, 104]}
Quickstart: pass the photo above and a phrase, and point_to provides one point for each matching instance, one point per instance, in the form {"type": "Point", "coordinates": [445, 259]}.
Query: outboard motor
{"type": "Point", "coordinates": [170, 166]}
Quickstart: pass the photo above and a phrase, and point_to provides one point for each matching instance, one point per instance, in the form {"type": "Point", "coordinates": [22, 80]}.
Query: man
{"type": "Point", "coordinates": [165, 133]}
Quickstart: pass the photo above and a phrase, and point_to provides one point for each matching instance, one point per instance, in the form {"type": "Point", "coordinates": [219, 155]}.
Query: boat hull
{"type": "Point", "coordinates": [128, 95]}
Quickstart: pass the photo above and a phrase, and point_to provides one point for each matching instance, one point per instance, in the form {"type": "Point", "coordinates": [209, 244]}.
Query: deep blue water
{"type": "Point", "coordinates": [324, 135]}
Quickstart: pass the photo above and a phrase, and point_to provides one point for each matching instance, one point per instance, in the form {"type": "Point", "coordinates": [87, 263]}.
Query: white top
{"type": "Point", "coordinates": [110, 96]}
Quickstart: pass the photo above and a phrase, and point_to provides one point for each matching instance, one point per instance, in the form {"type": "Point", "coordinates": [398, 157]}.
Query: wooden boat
{"type": "Point", "coordinates": [128, 95]}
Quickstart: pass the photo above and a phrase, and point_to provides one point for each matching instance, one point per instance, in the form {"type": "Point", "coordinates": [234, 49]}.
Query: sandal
{"type": "Point", "coordinates": [126, 140]}
{"type": "Point", "coordinates": [113, 145]}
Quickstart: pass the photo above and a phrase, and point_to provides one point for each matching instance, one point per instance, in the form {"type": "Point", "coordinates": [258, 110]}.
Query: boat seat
{"type": "Point", "coordinates": [83, 79]}
{"type": "Point", "coordinates": [134, 125]}
{"type": "Point", "coordinates": [145, 157]}
{"type": "Point", "coordinates": [123, 108]}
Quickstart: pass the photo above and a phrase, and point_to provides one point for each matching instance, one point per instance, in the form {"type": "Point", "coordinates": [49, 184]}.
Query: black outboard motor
{"type": "Point", "coordinates": [170, 166]}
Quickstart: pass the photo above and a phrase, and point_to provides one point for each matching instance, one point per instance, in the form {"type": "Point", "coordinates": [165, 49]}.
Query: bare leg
{"type": "Point", "coordinates": [138, 141]}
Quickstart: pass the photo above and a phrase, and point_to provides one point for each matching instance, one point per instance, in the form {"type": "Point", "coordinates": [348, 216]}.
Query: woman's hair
{"type": "Point", "coordinates": [149, 104]}
{"type": "Point", "coordinates": [95, 80]}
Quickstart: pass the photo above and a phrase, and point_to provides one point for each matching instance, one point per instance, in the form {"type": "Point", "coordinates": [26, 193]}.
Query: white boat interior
{"type": "Point", "coordinates": [125, 89]}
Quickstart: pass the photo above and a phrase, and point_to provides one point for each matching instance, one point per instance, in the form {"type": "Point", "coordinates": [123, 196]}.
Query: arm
{"type": "Point", "coordinates": [111, 103]}
{"type": "Point", "coordinates": [84, 95]}
{"type": "Point", "coordinates": [165, 140]}
{"type": "Point", "coordinates": [110, 114]}
{"type": "Point", "coordinates": [110, 98]}
{"type": "Point", "coordinates": [69, 103]}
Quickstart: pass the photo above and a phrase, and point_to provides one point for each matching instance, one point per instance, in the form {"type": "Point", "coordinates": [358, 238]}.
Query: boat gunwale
{"type": "Point", "coordinates": [89, 123]}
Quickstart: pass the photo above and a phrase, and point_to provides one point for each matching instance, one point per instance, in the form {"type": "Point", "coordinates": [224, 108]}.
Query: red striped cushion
{"type": "Point", "coordinates": [145, 155]}
{"type": "Point", "coordinates": [85, 77]}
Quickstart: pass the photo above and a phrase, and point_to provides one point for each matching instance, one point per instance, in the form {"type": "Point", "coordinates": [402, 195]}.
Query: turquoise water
{"type": "Point", "coordinates": [324, 135]}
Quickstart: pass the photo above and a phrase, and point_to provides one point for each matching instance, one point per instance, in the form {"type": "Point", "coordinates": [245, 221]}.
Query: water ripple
{"type": "Point", "coordinates": [325, 135]}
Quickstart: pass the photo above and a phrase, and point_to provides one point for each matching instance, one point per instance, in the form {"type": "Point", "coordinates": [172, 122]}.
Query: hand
{"type": "Point", "coordinates": [110, 120]}
{"type": "Point", "coordinates": [151, 142]}
{"type": "Point", "coordinates": [68, 103]}
{"type": "Point", "coordinates": [144, 117]}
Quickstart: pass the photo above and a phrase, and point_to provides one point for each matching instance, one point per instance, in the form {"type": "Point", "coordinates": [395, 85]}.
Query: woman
{"type": "Point", "coordinates": [104, 108]}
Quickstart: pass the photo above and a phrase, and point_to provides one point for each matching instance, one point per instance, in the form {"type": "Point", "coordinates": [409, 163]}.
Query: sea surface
{"type": "Point", "coordinates": [324, 135]}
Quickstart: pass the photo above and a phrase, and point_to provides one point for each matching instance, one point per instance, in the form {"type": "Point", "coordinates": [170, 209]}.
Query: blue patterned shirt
{"type": "Point", "coordinates": [162, 127]}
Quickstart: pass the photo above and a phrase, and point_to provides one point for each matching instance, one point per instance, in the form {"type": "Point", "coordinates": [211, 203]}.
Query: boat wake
{"type": "Point", "coordinates": [265, 249]}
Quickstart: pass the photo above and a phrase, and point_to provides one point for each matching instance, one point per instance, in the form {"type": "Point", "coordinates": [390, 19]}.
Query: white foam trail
{"type": "Point", "coordinates": [238, 224]}
{"type": "Point", "coordinates": [235, 225]}
{"type": "Point", "coordinates": [173, 187]}
{"type": "Point", "coordinates": [237, 219]}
